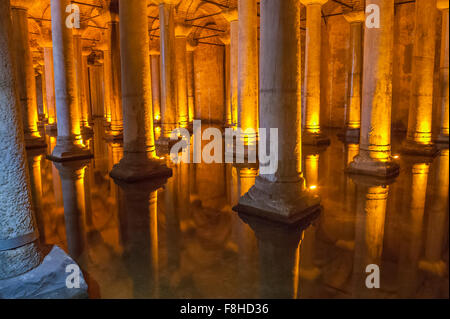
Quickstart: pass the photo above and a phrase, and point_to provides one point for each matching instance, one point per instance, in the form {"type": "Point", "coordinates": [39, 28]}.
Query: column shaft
{"type": "Point", "coordinates": [116, 101]}
{"type": "Point", "coordinates": [50, 86]}
{"type": "Point", "coordinates": [444, 129]}
{"type": "Point", "coordinates": [156, 89]}
{"type": "Point", "coordinates": [234, 51]}
{"type": "Point", "coordinates": [181, 76]}
{"type": "Point", "coordinates": [190, 84]}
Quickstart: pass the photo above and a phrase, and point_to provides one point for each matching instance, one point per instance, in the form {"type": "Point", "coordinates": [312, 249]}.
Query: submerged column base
{"type": "Point", "coordinates": [363, 164]}
{"type": "Point", "coordinates": [46, 281]}
{"type": "Point", "coordinates": [412, 148]}
{"type": "Point", "coordinates": [309, 138]}
{"type": "Point", "coordinates": [135, 167]}
{"type": "Point", "coordinates": [281, 202]}
{"type": "Point", "coordinates": [67, 150]}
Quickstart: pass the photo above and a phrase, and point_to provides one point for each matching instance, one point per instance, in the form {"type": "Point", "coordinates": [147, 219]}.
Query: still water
{"type": "Point", "coordinates": [180, 238]}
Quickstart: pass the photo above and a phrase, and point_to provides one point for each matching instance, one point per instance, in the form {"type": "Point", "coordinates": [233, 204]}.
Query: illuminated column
{"type": "Point", "coordinates": [181, 32]}
{"type": "Point", "coordinates": [78, 62]}
{"type": "Point", "coordinates": [34, 158]}
{"type": "Point", "coordinates": [85, 89]}
{"type": "Point", "coordinates": [226, 40]}
{"type": "Point", "coordinates": [107, 68]}
{"type": "Point", "coordinates": [375, 141]}
{"type": "Point", "coordinates": [19, 251]}
{"type": "Point", "coordinates": [168, 72]}
{"type": "Point", "coordinates": [68, 144]}
{"type": "Point", "coordinates": [444, 130]}
{"type": "Point", "coordinates": [25, 77]}
{"type": "Point", "coordinates": [40, 94]}
{"type": "Point", "coordinates": [50, 86]}
{"type": "Point", "coordinates": [282, 194]}
{"type": "Point", "coordinates": [353, 112]}
{"type": "Point", "coordinates": [117, 114]}
{"type": "Point", "coordinates": [419, 136]}
{"type": "Point", "coordinates": [156, 80]}
{"type": "Point", "coordinates": [312, 134]}
{"type": "Point", "coordinates": [369, 232]}
{"type": "Point", "coordinates": [248, 69]}
{"type": "Point", "coordinates": [232, 16]}
{"type": "Point", "coordinates": [191, 46]}
{"type": "Point", "coordinates": [139, 161]}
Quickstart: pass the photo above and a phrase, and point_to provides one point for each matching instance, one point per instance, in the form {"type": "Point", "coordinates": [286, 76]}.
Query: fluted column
{"type": "Point", "coordinates": [139, 161]}
{"type": "Point", "coordinates": [191, 46]}
{"type": "Point", "coordinates": [353, 111]}
{"type": "Point", "coordinates": [25, 77]}
{"type": "Point", "coordinates": [156, 81]}
{"type": "Point", "coordinates": [168, 71]}
{"type": "Point", "coordinates": [419, 135]}
{"type": "Point", "coordinates": [312, 133]}
{"type": "Point", "coordinates": [444, 129]}
{"type": "Point", "coordinates": [375, 141]}
{"type": "Point", "coordinates": [232, 17]}
{"type": "Point", "coordinates": [19, 251]}
{"type": "Point", "coordinates": [281, 195]}
{"type": "Point", "coordinates": [68, 144]}
{"type": "Point", "coordinates": [248, 69]}
{"type": "Point", "coordinates": [117, 121]}
{"type": "Point", "coordinates": [181, 33]}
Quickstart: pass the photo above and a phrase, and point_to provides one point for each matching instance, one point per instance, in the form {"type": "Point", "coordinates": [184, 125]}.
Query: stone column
{"type": "Point", "coordinates": [181, 33]}
{"type": "Point", "coordinates": [156, 80]}
{"type": "Point", "coordinates": [85, 90]}
{"type": "Point", "coordinates": [105, 47]}
{"type": "Point", "coordinates": [25, 76]}
{"type": "Point", "coordinates": [375, 141]}
{"type": "Point", "coordinates": [419, 136]}
{"type": "Point", "coordinates": [232, 17]}
{"type": "Point", "coordinates": [312, 134]}
{"type": "Point", "coordinates": [19, 251]}
{"type": "Point", "coordinates": [191, 46]}
{"type": "Point", "coordinates": [168, 72]}
{"type": "Point", "coordinates": [78, 62]}
{"type": "Point", "coordinates": [40, 95]}
{"type": "Point", "coordinates": [116, 78]}
{"type": "Point", "coordinates": [248, 69]}
{"type": "Point", "coordinates": [281, 195]}
{"type": "Point", "coordinates": [50, 86]}
{"type": "Point", "coordinates": [226, 40]}
{"type": "Point", "coordinates": [444, 130]}
{"type": "Point", "coordinates": [139, 161]}
{"type": "Point", "coordinates": [353, 113]}
{"type": "Point", "coordinates": [68, 144]}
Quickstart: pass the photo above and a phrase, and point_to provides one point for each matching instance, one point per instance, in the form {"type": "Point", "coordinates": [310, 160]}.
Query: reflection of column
{"type": "Point", "coordinates": [50, 87]}
{"type": "Point", "coordinates": [168, 72]}
{"type": "Point", "coordinates": [278, 255]}
{"type": "Point", "coordinates": [248, 68]}
{"type": "Point", "coordinates": [282, 194]}
{"type": "Point", "coordinates": [117, 115]}
{"type": "Point", "coordinates": [181, 32]}
{"type": "Point", "coordinates": [369, 233]}
{"type": "Point", "coordinates": [411, 228]}
{"type": "Point", "coordinates": [444, 130]}
{"type": "Point", "coordinates": [353, 112]}
{"type": "Point", "coordinates": [312, 134]}
{"type": "Point", "coordinates": [34, 168]}
{"type": "Point", "coordinates": [191, 46]}
{"type": "Point", "coordinates": [375, 142]}
{"type": "Point", "coordinates": [19, 251]}
{"type": "Point", "coordinates": [25, 78]}
{"type": "Point", "coordinates": [225, 39]}
{"type": "Point", "coordinates": [437, 220]}
{"type": "Point", "coordinates": [156, 88]}
{"type": "Point", "coordinates": [232, 17]}
{"type": "Point", "coordinates": [139, 161]}
{"type": "Point", "coordinates": [72, 176]}
{"type": "Point", "coordinates": [419, 139]}
{"type": "Point", "coordinates": [69, 145]}
{"type": "Point", "coordinates": [139, 236]}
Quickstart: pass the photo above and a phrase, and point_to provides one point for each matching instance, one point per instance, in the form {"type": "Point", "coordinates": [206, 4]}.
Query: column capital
{"type": "Point", "coordinates": [182, 30]}
{"type": "Point", "coordinates": [85, 51]}
{"type": "Point", "coordinates": [154, 47]}
{"type": "Point", "coordinates": [310, 2]}
{"type": "Point", "coordinates": [442, 4]}
{"type": "Point", "coordinates": [45, 41]}
{"type": "Point", "coordinates": [230, 14]}
{"type": "Point", "coordinates": [21, 4]}
{"type": "Point", "coordinates": [355, 16]}
{"type": "Point", "coordinates": [191, 44]}
{"type": "Point", "coordinates": [169, 2]}
{"type": "Point", "coordinates": [225, 38]}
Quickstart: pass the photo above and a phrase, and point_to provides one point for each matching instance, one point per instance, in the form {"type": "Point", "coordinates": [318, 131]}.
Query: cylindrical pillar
{"type": "Point", "coordinates": [312, 133]}
{"type": "Point", "coordinates": [281, 194]}
{"type": "Point", "coordinates": [19, 251]}
{"type": "Point", "coordinates": [181, 33]}
{"type": "Point", "coordinates": [419, 135]}
{"type": "Point", "coordinates": [353, 111]}
{"type": "Point", "coordinates": [68, 144]}
{"type": "Point", "coordinates": [25, 78]}
{"type": "Point", "coordinates": [156, 89]}
{"type": "Point", "coordinates": [444, 129]}
{"type": "Point", "coordinates": [226, 40]}
{"type": "Point", "coordinates": [107, 84]}
{"type": "Point", "coordinates": [139, 161]}
{"type": "Point", "coordinates": [191, 46]}
{"type": "Point", "coordinates": [116, 101]}
{"type": "Point", "coordinates": [78, 62]}
{"type": "Point", "coordinates": [50, 87]}
{"type": "Point", "coordinates": [375, 141]}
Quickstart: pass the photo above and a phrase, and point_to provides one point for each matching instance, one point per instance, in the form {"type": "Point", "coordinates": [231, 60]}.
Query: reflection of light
{"type": "Point", "coordinates": [396, 156]}
{"type": "Point", "coordinates": [158, 129]}
{"type": "Point", "coordinates": [313, 187]}
{"type": "Point", "coordinates": [157, 117]}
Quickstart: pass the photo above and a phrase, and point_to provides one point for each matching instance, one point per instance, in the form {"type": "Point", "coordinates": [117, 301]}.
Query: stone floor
{"type": "Point", "coordinates": [184, 241]}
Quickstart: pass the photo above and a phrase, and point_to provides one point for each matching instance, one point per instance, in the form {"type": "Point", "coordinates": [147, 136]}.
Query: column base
{"type": "Point", "coordinates": [135, 168]}
{"type": "Point", "coordinates": [280, 202]}
{"type": "Point", "coordinates": [34, 142]}
{"type": "Point", "coordinates": [442, 139]}
{"type": "Point", "coordinates": [315, 139]}
{"type": "Point", "coordinates": [51, 129]}
{"type": "Point", "coordinates": [66, 150]}
{"type": "Point", "coordinates": [412, 148]}
{"type": "Point", "coordinates": [46, 281]}
{"type": "Point", "coordinates": [364, 165]}
{"type": "Point", "coordinates": [349, 135]}
{"type": "Point", "coordinates": [111, 136]}
{"type": "Point", "coordinates": [87, 131]}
